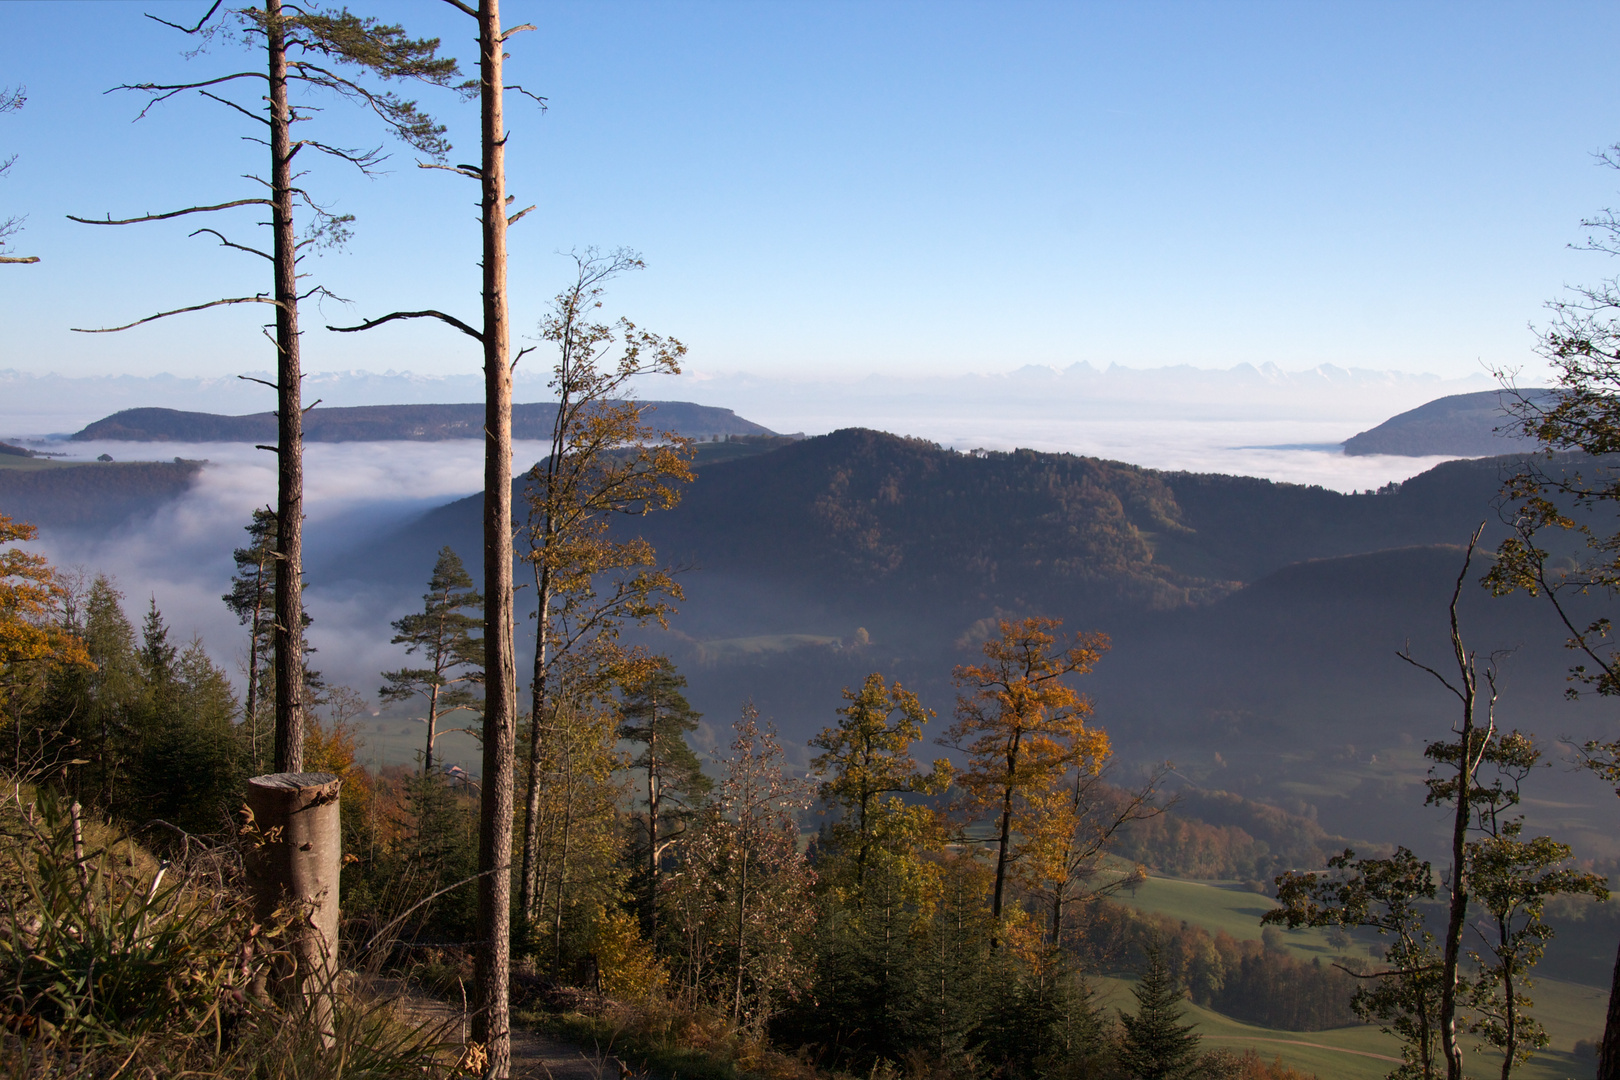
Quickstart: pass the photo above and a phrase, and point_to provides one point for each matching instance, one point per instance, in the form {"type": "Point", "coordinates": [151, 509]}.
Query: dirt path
{"type": "Point", "coordinates": [534, 1057]}
{"type": "Point", "coordinates": [1297, 1042]}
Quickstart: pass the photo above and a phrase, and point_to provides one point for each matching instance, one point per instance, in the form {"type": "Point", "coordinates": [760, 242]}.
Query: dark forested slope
{"type": "Point", "coordinates": [859, 525]}
{"type": "Point", "coordinates": [92, 496]}
{"type": "Point", "coordinates": [365, 423]}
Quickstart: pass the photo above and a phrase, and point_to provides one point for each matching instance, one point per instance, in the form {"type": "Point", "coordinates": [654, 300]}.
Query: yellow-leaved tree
{"type": "Point", "coordinates": [606, 462]}
{"type": "Point", "coordinates": [1024, 730]}
{"type": "Point", "coordinates": [867, 771]}
{"type": "Point", "coordinates": [32, 637]}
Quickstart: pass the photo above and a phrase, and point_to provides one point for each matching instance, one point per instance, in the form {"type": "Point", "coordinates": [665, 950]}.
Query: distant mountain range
{"type": "Point", "coordinates": [1461, 425]}
{"type": "Point", "coordinates": [373, 423]}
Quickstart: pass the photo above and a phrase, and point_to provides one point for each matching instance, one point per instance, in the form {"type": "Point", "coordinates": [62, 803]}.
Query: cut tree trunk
{"type": "Point", "coordinates": [294, 862]}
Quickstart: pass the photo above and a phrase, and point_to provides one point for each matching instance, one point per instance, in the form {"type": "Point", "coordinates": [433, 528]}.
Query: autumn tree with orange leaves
{"type": "Point", "coordinates": [31, 633]}
{"type": "Point", "coordinates": [1024, 730]}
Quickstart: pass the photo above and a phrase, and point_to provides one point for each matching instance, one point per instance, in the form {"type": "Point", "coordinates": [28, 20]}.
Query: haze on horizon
{"type": "Point", "coordinates": [904, 189]}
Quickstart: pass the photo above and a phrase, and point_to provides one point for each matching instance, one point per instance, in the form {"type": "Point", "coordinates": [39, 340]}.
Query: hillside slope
{"type": "Point", "coordinates": [371, 423]}
{"type": "Point", "coordinates": [1461, 425]}
{"type": "Point", "coordinates": [92, 496]}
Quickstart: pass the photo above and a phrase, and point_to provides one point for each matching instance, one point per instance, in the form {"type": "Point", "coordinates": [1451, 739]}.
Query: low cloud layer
{"type": "Point", "coordinates": [1271, 424]}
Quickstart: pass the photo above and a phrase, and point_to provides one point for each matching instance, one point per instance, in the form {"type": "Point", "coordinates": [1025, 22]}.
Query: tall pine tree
{"type": "Point", "coordinates": [657, 718]}
{"type": "Point", "coordinates": [442, 633]}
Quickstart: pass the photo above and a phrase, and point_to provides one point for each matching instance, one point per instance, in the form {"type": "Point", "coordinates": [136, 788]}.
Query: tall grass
{"type": "Point", "coordinates": [113, 965]}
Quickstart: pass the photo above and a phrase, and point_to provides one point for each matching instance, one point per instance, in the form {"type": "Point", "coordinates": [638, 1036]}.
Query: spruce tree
{"type": "Point", "coordinates": [157, 655]}
{"type": "Point", "coordinates": [1157, 1045]}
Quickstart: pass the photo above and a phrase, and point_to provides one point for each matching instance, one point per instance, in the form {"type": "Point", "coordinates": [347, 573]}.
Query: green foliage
{"type": "Point", "coordinates": [1386, 895]}
{"type": "Point", "coordinates": [418, 838]}
{"type": "Point", "coordinates": [865, 1005]}
{"type": "Point", "coordinates": [113, 964]}
{"type": "Point", "coordinates": [193, 763]}
{"type": "Point", "coordinates": [151, 727]}
{"type": "Point", "coordinates": [442, 632]}
{"type": "Point", "coordinates": [1156, 1045]}
{"type": "Point", "coordinates": [953, 965]}
{"type": "Point", "coordinates": [252, 600]}
{"type": "Point", "coordinates": [1039, 1026]}
{"type": "Point", "coordinates": [93, 955]}
{"type": "Point", "coordinates": [656, 717]}
{"type": "Point", "coordinates": [868, 770]}
{"type": "Point", "coordinates": [1511, 879]}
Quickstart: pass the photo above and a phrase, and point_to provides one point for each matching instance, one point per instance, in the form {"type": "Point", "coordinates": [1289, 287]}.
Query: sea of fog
{"type": "Point", "coordinates": [181, 556]}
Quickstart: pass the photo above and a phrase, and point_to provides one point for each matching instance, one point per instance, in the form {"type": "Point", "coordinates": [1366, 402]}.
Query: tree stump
{"type": "Point", "coordinates": [294, 858]}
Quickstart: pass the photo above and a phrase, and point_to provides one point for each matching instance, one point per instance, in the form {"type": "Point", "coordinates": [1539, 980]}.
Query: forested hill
{"type": "Point", "coordinates": [373, 423]}
{"type": "Point", "coordinates": [862, 525]}
{"type": "Point", "coordinates": [1460, 425]}
{"type": "Point", "coordinates": [95, 495]}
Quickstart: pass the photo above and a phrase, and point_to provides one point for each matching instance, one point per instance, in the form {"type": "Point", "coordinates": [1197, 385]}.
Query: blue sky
{"type": "Point", "coordinates": [875, 187]}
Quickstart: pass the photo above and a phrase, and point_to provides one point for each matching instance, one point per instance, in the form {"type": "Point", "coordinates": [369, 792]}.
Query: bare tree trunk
{"type": "Point", "coordinates": [528, 902]}
{"type": "Point", "coordinates": [1609, 1052]}
{"type": "Point", "coordinates": [289, 624]}
{"type": "Point", "coordinates": [492, 973]}
{"type": "Point", "coordinates": [742, 924]}
{"type": "Point", "coordinates": [432, 722]}
{"type": "Point", "coordinates": [255, 649]}
{"type": "Point", "coordinates": [562, 874]}
{"type": "Point", "coordinates": [1457, 915]}
{"type": "Point", "coordinates": [652, 824]}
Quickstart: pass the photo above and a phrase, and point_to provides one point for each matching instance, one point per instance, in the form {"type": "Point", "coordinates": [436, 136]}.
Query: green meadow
{"type": "Point", "coordinates": [1568, 1011]}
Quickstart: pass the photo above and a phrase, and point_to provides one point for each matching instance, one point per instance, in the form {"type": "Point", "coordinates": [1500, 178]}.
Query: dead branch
{"type": "Point", "coordinates": [451, 319]}
{"type": "Point", "coordinates": [464, 170]}
{"type": "Point", "coordinates": [19, 258]}
{"type": "Point", "coordinates": [194, 29]}
{"type": "Point", "coordinates": [176, 311]}
{"type": "Point", "coordinates": [164, 92]}
{"type": "Point", "coordinates": [227, 101]}
{"type": "Point", "coordinates": [467, 10]}
{"type": "Point", "coordinates": [526, 93]}
{"type": "Point", "coordinates": [517, 217]}
{"type": "Point", "coordinates": [261, 382]}
{"type": "Point", "coordinates": [172, 213]}
{"type": "Point", "coordinates": [239, 247]}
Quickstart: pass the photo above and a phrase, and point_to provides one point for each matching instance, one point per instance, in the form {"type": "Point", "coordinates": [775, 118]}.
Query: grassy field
{"type": "Point", "coordinates": [34, 464]}
{"type": "Point", "coordinates": [1567, 1010]}
{"type": "Point", "coordinates": [1228, 906]}
{"type": "Point", "coordinates": [1365, 1053]}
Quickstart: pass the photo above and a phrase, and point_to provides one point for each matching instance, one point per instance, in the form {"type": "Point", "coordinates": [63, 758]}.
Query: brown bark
{"type": "Point", "coordinates": [1457, 916]}
{"type": "Point", "coordinates": [1004, 841]}
{"type": "Point", "coordinates": [289, 621]}
{"type": "Point", "coordinates": [296, 858]}
{"type": "Point", "coordinates": [491, 979]}
{"type": "Point", "coordinates": [1609, 1052]}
